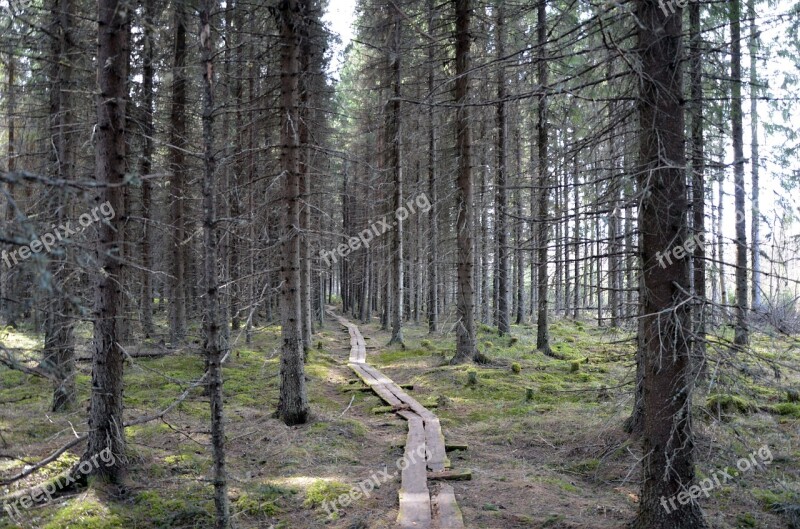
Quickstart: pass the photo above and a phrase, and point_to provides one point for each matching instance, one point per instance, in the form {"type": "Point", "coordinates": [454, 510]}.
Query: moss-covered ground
{"type": "Point", "coordinates": [545, 440]}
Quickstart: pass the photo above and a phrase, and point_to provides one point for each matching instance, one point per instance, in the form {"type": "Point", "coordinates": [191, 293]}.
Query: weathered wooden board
{"type": "Point", "coordinates": [446, 514]}
{"type": "Point", "coordinates": [415, 500]}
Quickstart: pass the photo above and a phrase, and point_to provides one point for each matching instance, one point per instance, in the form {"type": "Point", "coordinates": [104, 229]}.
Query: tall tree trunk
{"type": "Point", "coordinates": [668, 447]}
{"type": "Point", "coordinates": [293, 404]}
{"type": "Point", "coordinates": [433, 255]}
{"type": "Point", "coordinates": [741, 337]}
{"type": "Point", "coordinates": [698, 184]}
{"type": "Point", "coordinates": [306, 110]}
{"type": "Point", "coordinates": [146, 168]}
{"type": "Point", "coordinates": [501, 198]}
{"type": "Point", "coordinates": [755, 221]}
{"type": "Point", "coordinates": [542, 325]}
{"type": "Point", "coordinates": [466, 349]}
{"type": "Point", "coordinates": [178, 144]}
{"type": "Point", "coordinates": [519, 256]}
{"type": "Point", "coordinates": [106, 431]}
{"type": "Point", "coordinates": [59, 343]}
{"type": "Point", "coordinates": [211, 329]}
{"type": "Point", "coordinates": [393, 164]}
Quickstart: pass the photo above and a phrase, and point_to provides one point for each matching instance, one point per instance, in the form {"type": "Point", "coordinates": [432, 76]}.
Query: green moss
{"type": "Point", "coordinates": [726, 403]}
{"type": "Point", "coordinates": [264, 500]}
{"type": "Point", "coordinates": [574, 367]}
{"type": "Point", "coordinates": [787, 408]}
{"type": "Point", "coordinates": [472, 377]}
{"type": "Point", "coordinates": [322, 491]}
{"type": "Point", "coordinates": [746, 520]}
{"type": "Point", "coordinates": [516, 368]}
{"type": "Point", "coordinates": [587, 466]}
{"type": "Point", "coordinates": [88, 513]}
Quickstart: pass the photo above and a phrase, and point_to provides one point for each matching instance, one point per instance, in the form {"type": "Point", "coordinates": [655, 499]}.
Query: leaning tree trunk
{"type": "Point", "coordinates": [293, 404]}
{"type": "Point", "coordinates": [466, 349]}
{"type": "Point", "coordinates": [668, 448]}
{"type": "Point", "coordinates": [106, 431]}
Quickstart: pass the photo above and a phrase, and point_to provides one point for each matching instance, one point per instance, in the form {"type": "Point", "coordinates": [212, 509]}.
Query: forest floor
{"type": "Point", "coordinates": [558, 460]}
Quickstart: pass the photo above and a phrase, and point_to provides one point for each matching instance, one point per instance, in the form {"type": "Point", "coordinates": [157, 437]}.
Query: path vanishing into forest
{"type": "Point", "coordinates": [421, 506]}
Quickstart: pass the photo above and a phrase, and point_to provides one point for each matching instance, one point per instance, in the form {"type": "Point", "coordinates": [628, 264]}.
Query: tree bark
{"type": "Point", "coordinates": [466, 349]}
{"type": "Point", "coordinates": [741, 337]}
{"type": "Point", "coordinates": [501, 194]}
{"type": "Point", "coordinates": [211, 329]}
{"type": "Point", "coordinates": [394, 164]}
{"type": "Point", "coordinates": [106, 431]}
{"type": "Point", "coordinates": [668, 447]}
{"type": "Point", "coordinates": [293, 404]}
{"type": "Point", "coordinates": [178, 144]}
{"type": "Point", "coordinates": [542, 324]}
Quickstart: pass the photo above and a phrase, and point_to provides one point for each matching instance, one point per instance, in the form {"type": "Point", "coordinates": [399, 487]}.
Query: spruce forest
{"type": "Point", "coordinates": [364, 264]}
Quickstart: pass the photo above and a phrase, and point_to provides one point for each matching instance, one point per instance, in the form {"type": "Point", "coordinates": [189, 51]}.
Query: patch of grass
{"type": "Point", "coordinates": [265, 500]}
{"type": "Point", "coordinates": [322, 491]}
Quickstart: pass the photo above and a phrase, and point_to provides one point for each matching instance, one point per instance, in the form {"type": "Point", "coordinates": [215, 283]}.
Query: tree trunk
{"type": "Point", "coordinates": [106, 431]}
{"type": "Point", "coordinates": [755, 221]}
{"type": "Point", "coordinates": [668, 448]}
{"type": "Point", "coordinates": [466, 349]}
{"type": "Point", "coordinates": [59, 343]}
{"type": "Point", "coordinates": [393, 164]}
{"type": "Point", "coordinates": [211, 329]}
{"type": "Point", "coordinates": [501, 198]}
{"type": "Point", "coordinates": [542, 325]}
{"type": "Point", "coordinates": [698, 187]}
{"type": "Point", "coordinates": [146, 168]}
{"type": "Point", "coordinates": [293, 404]}
{"type": "Point", "coordinates": [740, 338]}
{"type": "Point", "coordinates": [433, 255]}
{"type": "Point", "coordinates": [178, 144]}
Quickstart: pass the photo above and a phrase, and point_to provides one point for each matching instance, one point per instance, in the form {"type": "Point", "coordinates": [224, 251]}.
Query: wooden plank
{"type": "Point", "coordinates": [446, 514]}
{"type": "Point", "coordinates": [451, 475]}
{"type": "Point", "coordinates": [434, 441]}
{"type": "Point", "coordinates": [415, 500]}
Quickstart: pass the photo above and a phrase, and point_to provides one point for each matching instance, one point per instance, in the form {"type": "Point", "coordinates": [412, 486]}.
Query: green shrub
{"type": "Point", "coordinates": [516, 368]}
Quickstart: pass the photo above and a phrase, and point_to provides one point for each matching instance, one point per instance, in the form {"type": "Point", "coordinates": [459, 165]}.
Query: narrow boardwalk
{"type": "Point", "coordinates": [418, 507]}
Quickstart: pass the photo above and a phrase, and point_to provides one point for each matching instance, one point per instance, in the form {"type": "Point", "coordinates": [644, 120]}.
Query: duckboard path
{"type": "Point", "coordinates": [419, 508]}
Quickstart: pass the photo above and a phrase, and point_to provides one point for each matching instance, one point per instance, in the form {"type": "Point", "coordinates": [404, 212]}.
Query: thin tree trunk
{"type": "Point", "coordinates": [212, 342]}
{"type": "Point", "coordinates": [741, 337]}
{"type": "Point", "coordinates": [755, 221]}
{"type": "Point", "coordinates": [146, 168]}
{"type": "Point", "coordinates": [698, 186]}
{"type": "Point", "coordinates": [394, 164]}
{"type": "Point", "coordinates": [501, 198]}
